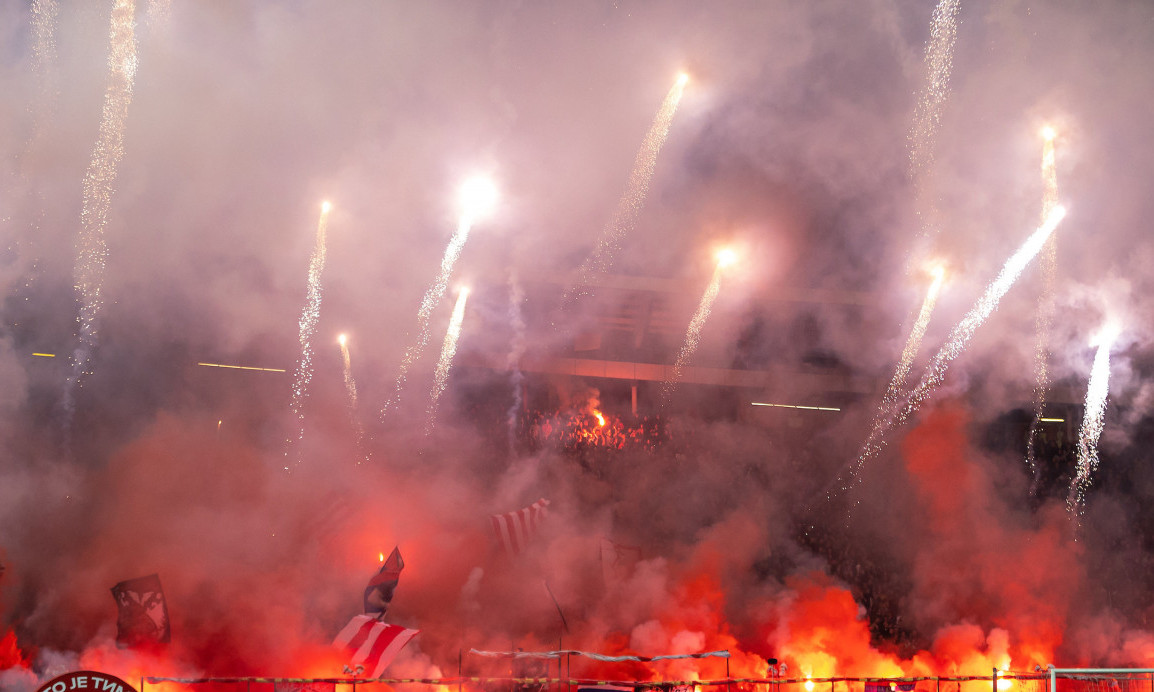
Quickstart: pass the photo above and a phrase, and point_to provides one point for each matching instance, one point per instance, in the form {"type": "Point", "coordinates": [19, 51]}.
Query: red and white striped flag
{"type": "Point", "coordinates": [514, 529]}
{"type": "Point", "coordinates": [372, 643]}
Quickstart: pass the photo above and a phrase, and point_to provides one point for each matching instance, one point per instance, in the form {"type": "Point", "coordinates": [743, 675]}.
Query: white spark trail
{"type": "Point", "coordinates": [693, 333]}
{"type": "Point", "coordinates": [513, 361]}
{"type": "Point", "coordinates": [99, 186]}
{"type": "Point", "coordinates": [957, 340]}
{"type": "Point", "coordinates": [310, 315]}
{"type": "Point", "coordinates": [1044, 317]}
{"type": "Point", "coordinates": [351, 388]}
{"type": "Point", "coordinates": [629, 207]}
{"type": "Point", "coordinates": [430, 301]}
{"type": "Point", "coordinates": [928, 110]}
{"type": "Point", "coordinates": [1092, 423]}
{"type": "Point", "coordinates": [445, 362]}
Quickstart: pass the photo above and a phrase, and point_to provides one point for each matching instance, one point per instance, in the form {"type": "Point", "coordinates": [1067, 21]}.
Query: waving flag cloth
{"type": "Point", "coordinates": [380, 590]}
{"type": "Point", "coordinates": [372, 643]}
{"type": "Point", "coordinates": [514, 529]}
{"type": "Point", "coordinates": [142, 614]}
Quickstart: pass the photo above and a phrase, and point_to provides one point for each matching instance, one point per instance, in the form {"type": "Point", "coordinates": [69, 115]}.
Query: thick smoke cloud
{"type": "Point", "coordinates": [791, 143]}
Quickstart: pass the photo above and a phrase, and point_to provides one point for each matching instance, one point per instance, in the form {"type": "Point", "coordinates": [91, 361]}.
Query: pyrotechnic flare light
{"type": "Point", "coordinates": [351, 388]}
{"type": "Point", "coordinates": [726, 257]}
{"type": "Point", "coordinates": [1044, 316]}
{"type": "Point", "coordinates": [629, 206]}
{"type": "Point", "coordinates": [913, 343]}
{"type": "Point", "coordinates": [310, 314]}
{"type": "Point", "coordinates": [1092, 423]}
{"type": "Point", "coordinates": [693, 333]}
{"type": "Point", "coordinates": [928, 110]}
{"type": "Point", "coordinates": [478, 196]}
{"type": "Point", "coordinates": [955, 342]}
{"type": "Point", "coordinates": [445, 363]}
{"type": "Point", "coordinates": [99, 185]}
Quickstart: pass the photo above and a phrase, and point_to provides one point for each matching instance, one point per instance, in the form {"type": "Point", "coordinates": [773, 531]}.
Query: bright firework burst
{"type": "Point", "coordinates": [725, 258]}
{"type": "Point", "coordinates": [477, 197]}
{"type": "Point", "coordinates": [310, 314]}
{"type": "Point", "coordinates": [631, 202]}
{"type": "Point", "coordinates": [955, 342]}
{"type": "Point", "coordinates": [1092, 422]}
{"type": "Point", "coordinates": [445, 362]}
{"type": "Point", "coordinates": [99, 185]}
{"type": "Point", "coordinates": [1044, 316]}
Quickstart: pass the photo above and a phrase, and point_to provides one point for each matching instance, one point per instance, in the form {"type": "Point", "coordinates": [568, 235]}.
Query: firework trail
{"type": "Point", "coordinates": [1044, 316]}
{"type": "Point", "coordinates": [477, 196]}
{"type": "Point", "coordinates": [99, 185]}
{"type": "Point", "coordinates": [310, 314]}
{"type": "Point", "coordinates": [351, 388]}
{"type": "Point", "coordinates": [1092, 422]}
{"type": "Point", "coordinates": [928, 110]}
{"type": "Point", "coordinates": [631, 202]}
{"type": "Point", "coordinates": [913, 343]}
{"type": "Point", "coordinates": [44, 57]}
{"type": "Point", "coordinates": [693, 333]}
{"type": "Point", "coordinates": [955, 342]}
{"type": "Point", "coordinates": [516, 351]}
{"type": "Point", "coordinates": [445, 363]}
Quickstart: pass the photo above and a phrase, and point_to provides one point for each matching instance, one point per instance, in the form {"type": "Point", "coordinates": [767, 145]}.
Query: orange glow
{"type": "Point", "coordinates": [381, 557]}
{"type": "Point", "coordinates": [600, 418]}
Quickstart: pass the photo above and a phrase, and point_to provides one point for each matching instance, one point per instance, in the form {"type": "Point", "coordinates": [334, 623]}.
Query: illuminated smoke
{"type": "Point", "coordinates": [928, 110]}
{"type": "Point", "coordinates": [477, 197]}
{"type": "Point", "coordinates": [99, 185]}
{"type": "Point", "coordinates": [516, 352]}
{"type": "Point", "coordinates": [955, 343]}
{"type": "Point", "coordinates": [633, 200]}
{"type": "Point", "coordinates": [1092, 421]}
{"type": "Point", "coordinates": [351, 388]}
{"type": "Point", "coordinates": [1044, 317]}
{"type": "Point", "coordinates": [693, 333]}
{"type": "Point", "coordinates": [445, 362]}
{"type": "Point", "coordinates": [310, 314]}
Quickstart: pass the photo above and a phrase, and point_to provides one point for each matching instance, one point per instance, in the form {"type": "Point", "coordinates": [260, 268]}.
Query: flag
{"type": "Point", "coordinates": [379, 592]}
{"type": "Point", "coordinates": [514, 529]}
{"type": "Point", "coordinates": [373, 644]}
{"type": "Point", "coordinates": [142, 614]}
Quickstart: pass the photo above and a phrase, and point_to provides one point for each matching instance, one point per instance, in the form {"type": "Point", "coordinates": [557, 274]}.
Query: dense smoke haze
{"type": "Point", "coordinates": [721, 525]}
